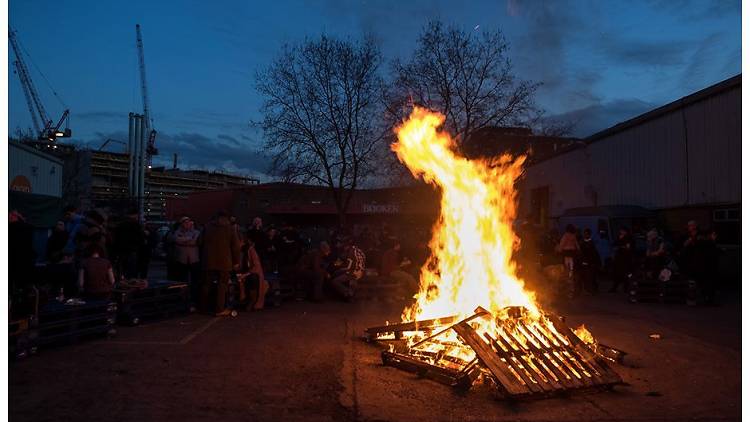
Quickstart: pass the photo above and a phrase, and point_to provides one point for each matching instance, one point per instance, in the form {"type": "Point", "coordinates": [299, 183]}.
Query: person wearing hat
{"type": "Point", "coordinates": [187, 256]}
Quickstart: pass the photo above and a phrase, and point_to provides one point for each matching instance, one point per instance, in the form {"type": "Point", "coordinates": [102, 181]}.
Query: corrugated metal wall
{"type": "Point", "coordinates": [652, 164]}
{"type": "Point", "coordinates": [44, 174]}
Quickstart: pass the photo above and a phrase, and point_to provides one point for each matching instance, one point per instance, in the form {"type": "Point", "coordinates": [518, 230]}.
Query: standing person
{"type": "Point", "coordinates": [655, 254]}
{"type": "Point", "coordinates": [710, 281]}
{"type": "Point", "coordinates": [311, 272]}
{"type": "Point", "coordinates": [73, 221]}
{"type": "Point", "coordinates": [173, 270]}
{"type": "Point", "coordinates": [569, 248]}
{"type": "Point", "coordinates": [21, 256]}
{"type": "Point", "coordinates": [270, 247]}
{"type": "Point", "coordinates": [623, 261]}
{"type": "Point", "coordinates": [129, 238]}
{"type": "Point", "coordinates": [256, 233]}
{"type": "Point", "coordinates": [590, 263]}
{"type": "Point", "coordinates": [56, 242]}
{"type": "Point", "coordinates": [221, 255]}
{"type": "Point", "coordinates": [290, 246]}
{"type": "Point", "coordinates": [344, 281]}
{"type": "Point", "coordinates": [145, 251]}
{"type": "Point", "coordinates": [187, 257]}
{"type": "Point", "coordinates": [91, 231]}
{"type": "Point", "coordinates": [392, 266]}
{"type": "Point", "coordinates": [96, 278]}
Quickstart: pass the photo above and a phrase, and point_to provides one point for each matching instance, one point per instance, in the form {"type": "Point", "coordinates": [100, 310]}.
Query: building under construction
{"type": "Point", "coordinates": [99, 179]}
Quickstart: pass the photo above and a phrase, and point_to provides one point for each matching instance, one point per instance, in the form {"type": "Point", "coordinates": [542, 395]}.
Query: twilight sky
{"type": "Point", "coordinates": [600, 61]}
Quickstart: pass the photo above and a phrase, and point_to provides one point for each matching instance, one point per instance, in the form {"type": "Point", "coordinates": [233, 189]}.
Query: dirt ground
{"type": "Point", "coordinates": [305, 361]}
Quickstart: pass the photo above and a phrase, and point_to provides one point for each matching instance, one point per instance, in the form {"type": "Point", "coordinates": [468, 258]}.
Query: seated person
{"type": "Point", "coordinates": [392, 266]}
{"type": "Point", "coordinates": [351, 268]}
{"type": "Point", "coordinates": [311, 271]}
{"type": "Point", "coordinates": [253, 285]}
{"type": "Point", "coordinates": [95, 278]}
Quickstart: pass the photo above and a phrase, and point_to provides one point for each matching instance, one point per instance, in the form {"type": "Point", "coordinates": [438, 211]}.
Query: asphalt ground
{"type": "Point", "coordinates": [306, 361]}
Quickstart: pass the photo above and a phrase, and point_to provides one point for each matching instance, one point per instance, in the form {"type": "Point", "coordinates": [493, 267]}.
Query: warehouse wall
{"type": "Point", "coordinates": [687, 156]}
{"type": "Point", "coordinates": [43, 173]}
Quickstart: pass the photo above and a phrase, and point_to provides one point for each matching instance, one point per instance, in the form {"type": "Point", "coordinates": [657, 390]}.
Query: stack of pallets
{"type": "Point", "coordinates": [523, 358]}
{"type": "Point", "coordinates": [653, 290]}
{"type": "Point", "coordinates": [59, 323]}
{"type": "Point", "coordinates": [159, 299]}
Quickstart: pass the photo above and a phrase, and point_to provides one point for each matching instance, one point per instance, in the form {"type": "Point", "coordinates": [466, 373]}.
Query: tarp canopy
{"type": "Point", "coordinates": [41, 211]}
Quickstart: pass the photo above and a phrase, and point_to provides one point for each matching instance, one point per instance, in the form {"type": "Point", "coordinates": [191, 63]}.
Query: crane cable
{"type": "Point", "coordinates": [28, 56]}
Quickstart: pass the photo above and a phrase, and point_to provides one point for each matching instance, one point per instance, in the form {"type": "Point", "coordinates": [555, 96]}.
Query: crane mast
{"type": "Point", "coordinates": [151, 147]}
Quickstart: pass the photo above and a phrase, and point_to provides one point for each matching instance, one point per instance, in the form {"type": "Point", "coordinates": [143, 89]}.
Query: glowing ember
{"type": "Point", "coordinates": [473, 239]}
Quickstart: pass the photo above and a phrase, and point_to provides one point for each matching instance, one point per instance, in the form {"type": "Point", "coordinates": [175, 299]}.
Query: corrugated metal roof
{"type": "Point", "coordinates": [695, 97]}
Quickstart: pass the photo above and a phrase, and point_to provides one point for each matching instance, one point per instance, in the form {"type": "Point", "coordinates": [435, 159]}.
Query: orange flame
{"type": "Point", "coordinates": [473, 239]}
{"type": "Point", "coordinates": [584, 334]}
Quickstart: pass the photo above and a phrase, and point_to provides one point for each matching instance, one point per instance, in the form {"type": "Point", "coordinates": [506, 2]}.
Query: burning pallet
{"type": "Point", "coordinates": [524, 357]}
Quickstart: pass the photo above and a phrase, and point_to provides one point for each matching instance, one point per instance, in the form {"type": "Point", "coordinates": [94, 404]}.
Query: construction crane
{"type": "Point", "coordinates": [45, 127]}
{"type": "Point", "coordinates": [151, 146]}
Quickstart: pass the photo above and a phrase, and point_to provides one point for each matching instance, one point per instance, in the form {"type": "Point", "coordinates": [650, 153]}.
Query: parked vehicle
{"type": "Point", "coordinates": [605, 222]}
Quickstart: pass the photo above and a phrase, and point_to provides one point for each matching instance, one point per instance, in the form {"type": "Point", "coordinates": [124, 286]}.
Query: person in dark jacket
{"type": "Point", "coordinates": [221, 255]}
{"type": "Point", "coordinates": [590, 263]}
{"type": "Point", "coordinates": [623, 261]}
{"type": "Point", "coordinates": [56, 242]}
{"type": "Point", "coordinates": [311, 271]}
{"type": "Point", "coordinates": [129, 241]}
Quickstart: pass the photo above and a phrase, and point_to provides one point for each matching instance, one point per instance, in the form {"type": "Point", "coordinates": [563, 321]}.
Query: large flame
{"type": "Point", "coordinates": [473, 239]}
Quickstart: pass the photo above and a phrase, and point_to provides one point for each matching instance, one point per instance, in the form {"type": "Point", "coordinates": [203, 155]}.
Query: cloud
{"type": "Point", "coordinates": [195, 151]}
{"type": "Point", "coordinates": [100, 115]}
{"type": "Point", "coordinates": [632, 52]}
{"type": "Point", "coordinates": [692, 10]}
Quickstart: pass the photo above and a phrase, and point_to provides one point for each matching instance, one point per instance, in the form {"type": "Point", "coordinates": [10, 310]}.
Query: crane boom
{"type": "Point", "coordinates": [29, 101]}
{"type": "Point", "coordinates": [44, 126]}
{"type": "Point", "coordinates": [151, 147]}
{"type": "Point", "coordinates": [28, 84]}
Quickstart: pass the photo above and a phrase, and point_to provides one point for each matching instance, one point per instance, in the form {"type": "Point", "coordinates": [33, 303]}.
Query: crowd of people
{"type": "Point", "coordinates": [694, 256]}
{"type": "Point", "coordinates": [87, 254]}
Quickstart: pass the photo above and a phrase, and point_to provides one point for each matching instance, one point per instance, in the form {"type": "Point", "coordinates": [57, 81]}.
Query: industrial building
{"type": "Point", "coordinates": [35, 190]}
{"type": "Point", "coordinates": [682, 161]}
{"type": "Point", "coordinates": [301, 204]}
{"type": "Point", "coordinates": [99, 179]}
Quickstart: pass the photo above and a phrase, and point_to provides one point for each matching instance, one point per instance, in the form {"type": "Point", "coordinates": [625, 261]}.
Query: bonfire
{"type": "Point", "coordinates": [473, 318]}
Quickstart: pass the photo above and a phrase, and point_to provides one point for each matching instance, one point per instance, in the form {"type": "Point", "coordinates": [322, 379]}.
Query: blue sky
{"type": "Point", "coordinates": [600, 62]}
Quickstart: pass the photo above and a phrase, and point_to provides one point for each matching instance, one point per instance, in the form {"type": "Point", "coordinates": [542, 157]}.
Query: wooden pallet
{"type": "Point", "coordinates": [59, 323]}
{"type": "Point", "coordinates": [160, 299]}
{"type": "Point", "coordinates": [656, 291]}
{"type": "Point", "coordinates": [525, 358]}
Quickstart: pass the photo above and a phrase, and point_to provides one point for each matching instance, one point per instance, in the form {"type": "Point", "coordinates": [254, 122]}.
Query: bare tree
{"type": "Point", "coordinates": [322, 118]}
{"type": "Point", "coordinates": [467, 76]}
